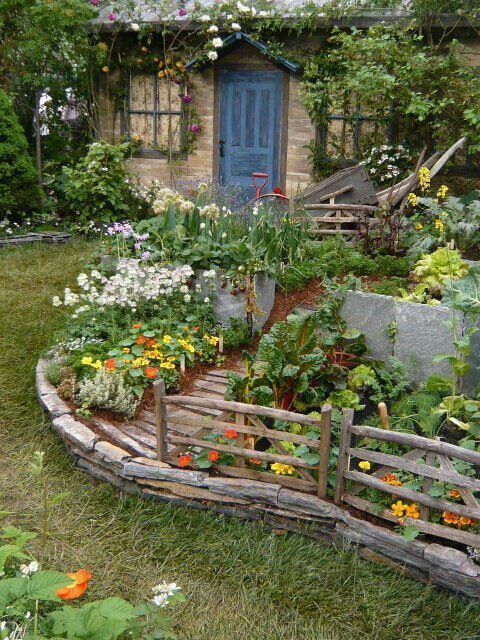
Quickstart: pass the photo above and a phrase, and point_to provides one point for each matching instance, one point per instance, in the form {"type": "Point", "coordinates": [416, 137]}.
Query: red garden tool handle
{"type": "Point", "coordinates": [258, 188]}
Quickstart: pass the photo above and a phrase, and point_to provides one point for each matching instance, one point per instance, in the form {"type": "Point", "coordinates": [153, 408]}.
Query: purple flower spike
{"type": "Point", "coordinates": [112, 17]}
{"type": "Point", "coordinates": [187, 99]}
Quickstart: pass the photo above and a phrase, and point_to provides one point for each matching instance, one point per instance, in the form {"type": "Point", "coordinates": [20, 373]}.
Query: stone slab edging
{"type": "Point", "coordinates": [268, 503]}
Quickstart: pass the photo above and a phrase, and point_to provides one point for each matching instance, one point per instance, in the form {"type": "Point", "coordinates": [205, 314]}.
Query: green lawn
{"type": "Point", "coordinates": [242, 582]}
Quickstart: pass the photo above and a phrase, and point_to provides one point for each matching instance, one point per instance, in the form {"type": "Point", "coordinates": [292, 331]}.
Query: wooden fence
{"type": "Point", "coordinates": [429, 459]}
{"type": "Point", "coordinates": [426, 459]}
{"type": "Point", "coordinates": [249, 423]}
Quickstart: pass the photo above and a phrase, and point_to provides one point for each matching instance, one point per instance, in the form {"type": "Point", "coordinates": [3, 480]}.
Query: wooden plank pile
{"type": "Point", "coordinates": [338, 203]}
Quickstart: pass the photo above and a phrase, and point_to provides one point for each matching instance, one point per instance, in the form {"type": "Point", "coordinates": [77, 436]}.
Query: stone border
{"type": "Point", "coordinates": [418, 332]}
{"type": "Point", "coordinates": [270, 504]}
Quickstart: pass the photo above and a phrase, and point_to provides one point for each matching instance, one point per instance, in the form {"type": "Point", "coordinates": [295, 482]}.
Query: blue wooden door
{"type": "Point", "coordinates": [249, 127]}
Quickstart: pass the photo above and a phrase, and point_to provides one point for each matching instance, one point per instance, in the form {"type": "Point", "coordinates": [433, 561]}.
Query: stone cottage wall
{"type": "Point", "coordinates": [296, 132]}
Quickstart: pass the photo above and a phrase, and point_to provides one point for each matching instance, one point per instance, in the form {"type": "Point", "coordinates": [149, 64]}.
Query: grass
{"type": "Point", "coordinates": [242, 581]}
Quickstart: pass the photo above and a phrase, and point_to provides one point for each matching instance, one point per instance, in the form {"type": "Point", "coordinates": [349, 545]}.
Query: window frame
{"type": "Point", "coordinates": [154, 113]}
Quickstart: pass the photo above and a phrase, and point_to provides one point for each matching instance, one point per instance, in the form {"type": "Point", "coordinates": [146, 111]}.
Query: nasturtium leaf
{"type": "Point", "coordinates": [311, 458]}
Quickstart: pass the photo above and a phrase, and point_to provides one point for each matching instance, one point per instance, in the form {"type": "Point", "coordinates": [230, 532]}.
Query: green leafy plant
{"type": "Point", "coordinates": [99, 188]}
{"type": "Point", "coordinates": [433, 270]}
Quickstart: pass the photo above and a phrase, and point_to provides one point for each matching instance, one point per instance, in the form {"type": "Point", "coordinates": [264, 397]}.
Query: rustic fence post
{"type": "Point", "coordinates": [324, 450]}
{"type": "Point", "coordinates": [159, 392]}
{"type": "Point", "coordinates": [343, 456]}
{"type": "Point", "coordinates": [240, 421]}
{"type": "Point", "coordinates": [430, 458]}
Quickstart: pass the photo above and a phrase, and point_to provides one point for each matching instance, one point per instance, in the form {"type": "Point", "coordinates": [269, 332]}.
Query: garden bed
{"type": "Point", "coordinates": [131, 467]}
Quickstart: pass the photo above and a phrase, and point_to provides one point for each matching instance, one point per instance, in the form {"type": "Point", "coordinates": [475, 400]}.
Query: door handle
{"type": "Point", "coordinates": [222, 148]}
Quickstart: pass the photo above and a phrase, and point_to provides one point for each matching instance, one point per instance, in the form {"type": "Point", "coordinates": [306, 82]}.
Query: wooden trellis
{"type": "Point", "coordinates": [427, 458]}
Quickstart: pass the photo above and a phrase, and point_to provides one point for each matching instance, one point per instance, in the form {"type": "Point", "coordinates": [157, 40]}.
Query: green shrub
{"type": "Point", "coordinates": [100, 189]}
{"type": "Point", "coordinates": [19, 191]}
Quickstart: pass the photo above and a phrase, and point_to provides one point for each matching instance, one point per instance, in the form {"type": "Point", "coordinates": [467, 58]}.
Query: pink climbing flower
{"type": "Point", "coordinates": [195, 128]}
{"type": "Point", "coordinates": [95, 3]}
{"type": "Point", "coordinates": [182, 12]}
{"type": "Point", "coordinates": [186, 99]}
{"type": "Point", "coordinates": [112, 17]}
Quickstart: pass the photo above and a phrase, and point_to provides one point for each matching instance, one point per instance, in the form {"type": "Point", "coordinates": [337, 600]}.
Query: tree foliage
{"type": "Point", "coordinates": [433, 96]}
{"type": "Point", "coordinates": [19, 192]}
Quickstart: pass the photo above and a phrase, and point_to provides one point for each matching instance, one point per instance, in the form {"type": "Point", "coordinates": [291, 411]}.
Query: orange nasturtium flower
{"type": "Point", "coordinates": [138, 325]}
{"type": "Point", "coordinates": [184, 460]}
{"type": "Point", "coordinates": [150, 372]}
{"type": "Point", "coordinates": [231, 434]}
{"type": "Point", "coordinates": [450, 518]}
{"type": "Point", "coordinates": [141, 340]}
{"type": "Point", "coordinates": [213, 456]}
{"type": "Point", "coordinates": [454, 494]}
{"type": "Point", "coordinates": [110, 365]}
{"type": "Point", "coordinates": [77, 588]}
{"type": "Point", "coordinates": [392, 480]}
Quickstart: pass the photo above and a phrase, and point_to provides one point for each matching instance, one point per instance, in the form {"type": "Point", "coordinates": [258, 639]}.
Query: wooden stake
{"type": "Point", "coordinates": [159, 393]}
{"type": "Point", "coordinates": [182, 363]}
{"type": "Point", "coordinates": [324, 450]}
{"type": "Point", "coordinates": [220, 343]}
{"type": "Point", "coordinates": [343, 456]}
{"type": "Point", "coordinates": [383, 413]}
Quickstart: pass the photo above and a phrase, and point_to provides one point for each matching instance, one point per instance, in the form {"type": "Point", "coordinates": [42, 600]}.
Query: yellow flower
{"type": "Point", "coordinates": [398, 508]}
{"type": "Point", "coordinates": [413, 199]}
{"type": "Point", "coordinates": [412, 511]}
{"type": "Point", "coordinates": [105, 69]}
{"type": "Point", "coordinates": [87, 360]}
{"type": "Point", "coordinates": [140, 362]}
{"type": "Point", "coordinates": [186, 345]}
{"type": "Point", "coordinates": [126, 350]}
{"type": "Point", "coordinates": [424, 178]}
{"type": "Point", "coordinates": [364, 465]}
{"type": "Point", "coordinates": [97, 364]}
{"type": "Point", "coordinates": [167, 365]}
{"type": "Point", "coordinates": [167, 339]}
{"type": "Point", "coordinates": [442, 191]}
{"type": "Point", "coordinates": [419, 227]}
{"type": "Point", "coordinates": [282, 469]}
{"type": "Point", "coordinates": [213, 340]}
{"type": "Point", "coordinates": [439, 225]}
